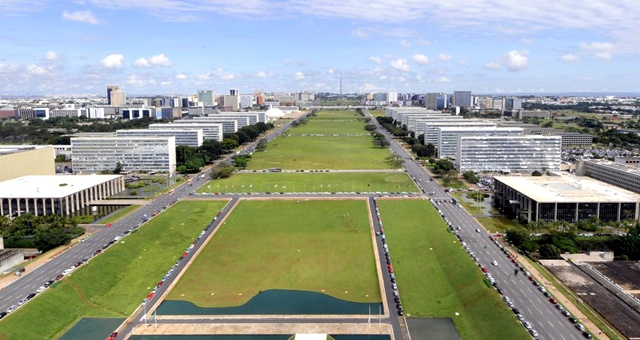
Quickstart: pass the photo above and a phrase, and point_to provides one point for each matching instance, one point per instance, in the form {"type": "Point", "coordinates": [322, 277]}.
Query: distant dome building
{"type": "Point", "coordinates": [274, 113]}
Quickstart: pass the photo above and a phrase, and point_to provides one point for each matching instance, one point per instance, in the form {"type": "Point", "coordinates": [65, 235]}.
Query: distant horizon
{"type": "Point", "coordinates": [545, 94]}
{"type": "Point", "coordinates": [361, 46]}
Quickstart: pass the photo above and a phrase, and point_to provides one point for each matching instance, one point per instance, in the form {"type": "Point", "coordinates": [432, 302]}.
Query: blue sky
{"type": "Point", "coordinates": [180, 46]}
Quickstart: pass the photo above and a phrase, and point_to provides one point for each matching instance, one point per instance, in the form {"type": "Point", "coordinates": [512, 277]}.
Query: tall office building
{"type": "Point", "coordinates": [462, 98]}
{"type": "Point", "coordinates": [207, 97]}
{"type": "Point", "coordinates": [232, 100]}
{"type": "Point", "coordinates": [436, 101]}
{"type": "Point", "coordinates": [115, 97]}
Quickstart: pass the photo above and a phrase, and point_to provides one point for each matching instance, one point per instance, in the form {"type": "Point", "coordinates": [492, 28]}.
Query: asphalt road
{"type": "Point", "coordinates": [533, 305]}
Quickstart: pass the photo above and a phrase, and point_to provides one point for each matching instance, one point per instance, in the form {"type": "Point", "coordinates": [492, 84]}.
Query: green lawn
{"type": "Point", "coordinates": [344, 152]}
{"type": "Point", "coordinates": [312, 182]}
{"type": "Point", "coordinates": [312, 245]}
{"type": "Point", "coordinates": [437, 278]}
{"type": "Point", "coordinates": [114, 283]}
{"type": "Point", "coordinates": [496, 224]}
{"type": "Point", "coordinates": [377, 113]}
{"type": "Point", "coordinates": [335, 114]}
{"type": "Point", "coordinates": [339, 126]}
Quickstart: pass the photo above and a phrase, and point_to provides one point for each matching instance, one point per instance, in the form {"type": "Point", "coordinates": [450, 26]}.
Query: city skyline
{"type": "Point", "coordinates": [172, 46]}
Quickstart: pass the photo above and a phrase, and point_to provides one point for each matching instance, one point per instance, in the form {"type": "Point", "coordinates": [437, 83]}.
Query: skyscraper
{"type": "Point", "coordinates": [462, 98]}
{"type": "Point", "coordinates": [206, 97]}
{"type": "Point", "coordinates": [115, 97]}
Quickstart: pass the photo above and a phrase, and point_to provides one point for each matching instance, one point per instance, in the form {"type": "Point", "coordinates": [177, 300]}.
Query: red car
{"type": "Point", "coordinates": [108, 224]}
{"type": "Point", "coordinates": [554, 301]}
{"type": "Point", "coordinates": [484, 270]}
{"type": "Point", "coordinates": [113, 336]}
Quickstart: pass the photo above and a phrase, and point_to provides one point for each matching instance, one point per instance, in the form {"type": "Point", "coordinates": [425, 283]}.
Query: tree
{"type": "Point", "coordinates": [222, 170]}
{"type": "Point", "coordinates": [431, 150]}
{"type": "Point", "coordinates": [229, 144]}
{"type": "Point", "coordinates": [395, 161]}
{"type": "Point", "coordinates": [118, 168]}
{"type": "Point", "coordinates": [550, 251]}
{"type": "Point", "coordinates": [211, 148]}
{"type": "Point", "coordinates": [471, 177]}
{"type": "Point", "coordinates": [517, 236]}
{"type": "Point", "coordinates": [262, 145]}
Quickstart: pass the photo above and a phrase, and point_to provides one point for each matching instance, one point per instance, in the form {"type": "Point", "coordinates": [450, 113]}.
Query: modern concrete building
{"type": "Point", "coordinates": [521, 154]}
{"type": "Point", "coordinates": [436, 101]}
{"type": "Point", "coordinates": [97, 154]}
{"type": "Point", "coordinates": [192, 138]}
{"type": "Point", "coordinates": [432, 128]}
{"type": "Point", "coordinates": [207, 97]}
{"type": "Point", "coordinates": [623, 176]}
{"type": "Point", "coordinates": [21, 160]}
{"type": "Point", "coordinates": [563, 198]}
{"type": "Point", "coordinates": [212, 131]}
{"type": "Point", "coordinates": [229, 124]}
{"type": "Point", "coordinates": [116, 97]}
{"type": "Point", "coordinates": [62, 195]}
{"type": "Point", "coordinates": [448, 137]}
{"type": "Point", "coordinates": [420, 126]}
{"type": "Point", "coordinates": [136, 113]}
{"type": "Point", "coordinates": [462, 98]}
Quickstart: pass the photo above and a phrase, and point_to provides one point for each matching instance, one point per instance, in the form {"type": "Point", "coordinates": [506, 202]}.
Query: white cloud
{"type": "Point", "coordinates": [52, 56]}
{"type": "Point", "coordinates": [517, 60]}
{"type": "Point", "coordinates": [513, 60]}
{"type": "Point", "coordinates": [598, 50]}
{"type": "Point", "coordinates": [228, 77]}
{"type": "Point", "coordinates": [376, 60]}
{"type": "Point", "coordinates": [35, 70]}
{"type": "Point", "coordinates": [405, 43]}
{"type": "Point", "coordinates": [181, 76]}
{"type": "Point", "coordinates": [156, 60]}
{"type": "Point", "coordinates": [142, 62]}
{"type": "Point", "coordinates": [360, 33]}
{"type": "Point", "coordinates": [331, 71]}
{"type": "Point", "coordinates": [165, 83]}
{"type": "Point", "coordinates": [161, 60]}
{"type": "Point", "coordinates": [113, 61]}
{"type": "Point", "coordinates": [494, 65]}
{"type": "Point", "coordinates": [420, 59]}
{"type": "Point", "coordinates": [400, 65]}
{"type": "Point", "coordinates": [570, 57]}
{"type": "Point", "coordinates": [444, 57]}
{"type": "Point", "coordinates": [261, 74]}
{"type": "Point", "coordinates": [135, 80]}
{"type": "Point", "coordinates": [81, 16]}
{"type": "Point", "coordinates": [206, 76]}
{"type": "Point", "coordinates": [298, 76]}
{"type": "Point", "coordinates": [443, 79]}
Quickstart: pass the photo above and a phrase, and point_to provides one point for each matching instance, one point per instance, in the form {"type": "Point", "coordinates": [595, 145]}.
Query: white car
{"type": "Point", "coordinates": [495, 263]}
{"type": "Point", "coordinates": [41, 289]}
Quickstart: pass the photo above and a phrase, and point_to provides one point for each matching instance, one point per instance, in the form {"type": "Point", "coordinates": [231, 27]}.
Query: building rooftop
{"type": "Point", "coordinates": [54, 186]}
{"type": "Point", "coordinates": [567, 188]}
{"type": "Point", "coordinates": [618, 166]}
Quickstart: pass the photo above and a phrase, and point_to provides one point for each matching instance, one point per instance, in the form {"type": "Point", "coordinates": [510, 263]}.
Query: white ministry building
{"type": "Point", "coordinates": [95, 154]}
{"type": "Point", "coordinates": [213, 131]}
{"type": "Point", "coordinates": [448, 136]}
{"type": "Point", "coordinates": [524, 154]}
{"type": "Point", "coordinates": [432, 128]}
{"type": "Point", "coordinates": [192, 138]}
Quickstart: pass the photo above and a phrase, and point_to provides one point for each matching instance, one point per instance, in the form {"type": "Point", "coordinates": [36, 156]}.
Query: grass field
{"type": "Point", "coordinates": [377, 113]}
{"type": "Point", "coordinates": [312, 182]}
{"type": "Point", "coordinates": [322, 246]}
{"type": "Point", "coordinates": [344, 152]}
{"type": "Point", "coordinates": [335, 114]}
{"type": "Point", "coordinates": [496, 224]}
{"type": "Point", "coordinates": [340, 126]}
{"type": "Point", "coordinates": [436, 278]}
{"type": "Point", "coordinates": [114, 283]}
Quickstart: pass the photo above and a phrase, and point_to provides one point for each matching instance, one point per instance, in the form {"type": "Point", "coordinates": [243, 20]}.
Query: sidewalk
{"type": "Point", "coordinates": [562, 299]}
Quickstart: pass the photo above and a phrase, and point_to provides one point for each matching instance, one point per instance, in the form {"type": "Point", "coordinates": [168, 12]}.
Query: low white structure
{"type": "Point", "coordinates": [62, 195]}
{"type": "Point", "coordinates": [192, 138]}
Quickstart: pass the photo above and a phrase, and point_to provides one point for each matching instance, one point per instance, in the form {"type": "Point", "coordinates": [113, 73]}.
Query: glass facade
{"type": "Point", "coordinates": [608, 212]}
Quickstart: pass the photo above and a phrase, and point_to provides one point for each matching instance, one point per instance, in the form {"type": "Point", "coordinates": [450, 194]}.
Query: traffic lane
{"type": "Point", "coordinates": [517, 286]}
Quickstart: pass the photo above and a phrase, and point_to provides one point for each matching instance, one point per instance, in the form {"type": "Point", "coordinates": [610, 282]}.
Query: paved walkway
{"type": "Point", "coordinates": [562, 299]}
{"type": "Point", "coordinates": [261, 328]}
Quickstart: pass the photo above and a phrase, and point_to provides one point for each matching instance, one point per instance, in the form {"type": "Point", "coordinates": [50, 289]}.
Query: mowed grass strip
{"type": "Point", "coordinates": [114, 283]}
{"type": "Point", "coordinates": [436, 278]}
{"type": "Point", "coordinates": [335, 114]}
{"type": "Point", "coordinates": [338, 126]}
{"type": "Point", "coordinates": [311, 245]}
{"type": "Point", "coordinates": [326, 152]}
{"type": "Point", "coordinates": [312, 182]}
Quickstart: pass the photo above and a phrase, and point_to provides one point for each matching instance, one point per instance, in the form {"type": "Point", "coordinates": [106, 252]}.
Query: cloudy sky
{"type": "Point", "coordinates": [180, 46]}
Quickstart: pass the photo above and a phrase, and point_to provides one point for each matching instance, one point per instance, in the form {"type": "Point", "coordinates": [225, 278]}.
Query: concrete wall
{"type": "Point", "coordinates": [10, 259]}
{"type": "Point", "coordinates": [28, 162]}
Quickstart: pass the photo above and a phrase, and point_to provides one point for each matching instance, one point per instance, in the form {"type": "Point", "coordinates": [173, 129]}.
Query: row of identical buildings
{"type": "Point", "coordinates": [153, 149]}
{"type": "Point", "coordinates": [483, 145]}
